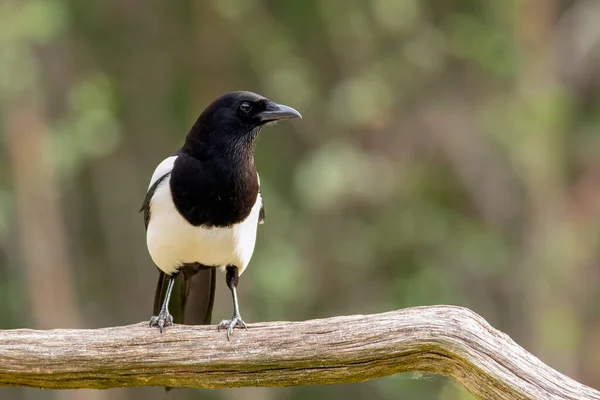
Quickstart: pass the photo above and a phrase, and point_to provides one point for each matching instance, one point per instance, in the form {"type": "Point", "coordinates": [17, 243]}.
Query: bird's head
{"type": "Point", "coordinates": [232, 122]}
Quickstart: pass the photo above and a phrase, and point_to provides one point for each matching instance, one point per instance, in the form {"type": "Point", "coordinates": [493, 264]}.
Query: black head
{"type": "Point", "coordinates": [232, 122]}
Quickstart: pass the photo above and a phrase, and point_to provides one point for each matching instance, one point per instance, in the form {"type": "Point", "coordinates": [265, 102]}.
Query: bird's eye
{"type": "Point", "coordinates": [245, 107]}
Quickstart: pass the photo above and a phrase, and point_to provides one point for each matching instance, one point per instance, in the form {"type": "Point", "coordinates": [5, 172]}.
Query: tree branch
{"type": "Point", "coordinates": [445, 340]}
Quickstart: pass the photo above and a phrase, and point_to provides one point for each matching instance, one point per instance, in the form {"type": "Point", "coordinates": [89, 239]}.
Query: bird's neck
{"type": "Point", "coordinates": [229, 156]}
{"type": "Point", "coordinates": [207, 144]}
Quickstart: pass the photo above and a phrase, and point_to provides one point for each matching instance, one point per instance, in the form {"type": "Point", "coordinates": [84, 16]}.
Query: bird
{"type": "Point", "coordinates": [203, 207]}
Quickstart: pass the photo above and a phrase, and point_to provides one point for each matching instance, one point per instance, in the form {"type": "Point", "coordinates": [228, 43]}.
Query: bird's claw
{"type": "Point", "coordinates": [230, 324]}
{"type": "Point", "coordinates": [162, 320]}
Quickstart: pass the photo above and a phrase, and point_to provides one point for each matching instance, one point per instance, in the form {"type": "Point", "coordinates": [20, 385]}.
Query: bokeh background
{"type": "Point", "coordinates": [449, 153]}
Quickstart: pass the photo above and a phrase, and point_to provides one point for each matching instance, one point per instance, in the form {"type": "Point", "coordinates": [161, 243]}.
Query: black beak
{"type": "Point", "coordinates": [275, 112]}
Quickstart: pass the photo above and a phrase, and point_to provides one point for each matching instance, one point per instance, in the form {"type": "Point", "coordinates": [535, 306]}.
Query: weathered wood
{"type": "Point", "coordinates": [445, 340]}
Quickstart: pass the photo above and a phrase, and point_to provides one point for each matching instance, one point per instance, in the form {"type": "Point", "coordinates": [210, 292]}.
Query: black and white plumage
{"type": "Point", "coordinates": [203, 206]}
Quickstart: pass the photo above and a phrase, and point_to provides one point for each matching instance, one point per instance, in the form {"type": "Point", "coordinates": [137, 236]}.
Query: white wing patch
{"type": "Point", "coordinates": [164, 167]}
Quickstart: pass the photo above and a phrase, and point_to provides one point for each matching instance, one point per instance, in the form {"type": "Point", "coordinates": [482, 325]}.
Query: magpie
{"type": "Point", "coordinates": [203, 207]}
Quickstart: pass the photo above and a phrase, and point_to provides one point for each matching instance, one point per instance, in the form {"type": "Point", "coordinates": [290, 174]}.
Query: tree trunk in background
{"type": "Point", "coordinates": [39, 218]}
{"type": "Point", "coordinates": [45, 256]}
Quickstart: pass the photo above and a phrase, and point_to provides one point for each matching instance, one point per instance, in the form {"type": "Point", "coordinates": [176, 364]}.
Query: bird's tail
{"type": "Point", "coordinates": [192, 297]}
{"type": "Point", "coordinates": [199, 297]}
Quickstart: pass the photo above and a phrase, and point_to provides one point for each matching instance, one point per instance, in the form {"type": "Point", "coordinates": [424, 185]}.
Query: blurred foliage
{"type": "Point", "coordinates": [448, 154]}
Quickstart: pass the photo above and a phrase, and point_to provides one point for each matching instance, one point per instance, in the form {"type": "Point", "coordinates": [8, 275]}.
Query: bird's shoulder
{"type": "Point", "coordinates": [162, 171]}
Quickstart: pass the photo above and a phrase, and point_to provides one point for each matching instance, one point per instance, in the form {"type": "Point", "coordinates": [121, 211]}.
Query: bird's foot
{"type": "Point", "coordinates": [230, 324]}
{"type": "Point", "coordinates": [163, 319]}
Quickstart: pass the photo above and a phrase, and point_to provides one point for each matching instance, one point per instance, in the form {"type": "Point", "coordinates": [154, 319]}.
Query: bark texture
{"type": "Point", "coordinates": [444, 340]}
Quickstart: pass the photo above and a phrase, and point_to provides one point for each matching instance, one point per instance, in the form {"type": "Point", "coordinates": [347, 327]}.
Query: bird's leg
{"type": "Point", "coordinates": [164, 318]}
{"type": "Point", "coordinates": [232, 279]}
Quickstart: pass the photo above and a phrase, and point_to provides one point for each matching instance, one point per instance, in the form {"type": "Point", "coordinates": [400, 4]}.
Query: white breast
{"type": "Point", "coordinates": [172, 241]}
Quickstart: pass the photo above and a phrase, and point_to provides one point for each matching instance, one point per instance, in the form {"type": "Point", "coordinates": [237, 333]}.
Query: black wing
{"type": "Point", "coordinates": [146, 204]}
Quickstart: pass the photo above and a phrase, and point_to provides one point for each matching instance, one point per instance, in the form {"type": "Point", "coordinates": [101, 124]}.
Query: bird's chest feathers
{"type": "Point", "coordinates": [213, 195]}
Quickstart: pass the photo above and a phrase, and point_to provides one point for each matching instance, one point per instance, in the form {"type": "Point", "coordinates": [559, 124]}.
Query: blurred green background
{"type": "Point", "coordinates": [449, 153]}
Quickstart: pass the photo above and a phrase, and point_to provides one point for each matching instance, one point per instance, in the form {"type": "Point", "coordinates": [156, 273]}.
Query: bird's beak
{"type": "Point", "coordinates": [275, 112]}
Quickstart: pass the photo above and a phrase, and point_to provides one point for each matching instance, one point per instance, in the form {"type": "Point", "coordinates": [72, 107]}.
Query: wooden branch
{"type": "Point", "coordinates": [445, 340]}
